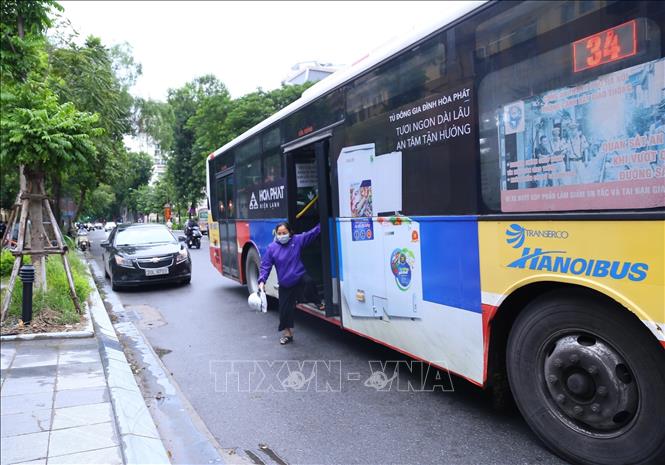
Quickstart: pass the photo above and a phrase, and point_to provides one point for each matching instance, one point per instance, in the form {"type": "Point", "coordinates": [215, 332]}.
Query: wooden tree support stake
{"type": "Point", "coordinates": [23, 203]}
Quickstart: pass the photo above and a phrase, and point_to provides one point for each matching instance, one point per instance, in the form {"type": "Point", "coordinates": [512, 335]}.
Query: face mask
{"type": "Point", "coordinates": [283, 238]}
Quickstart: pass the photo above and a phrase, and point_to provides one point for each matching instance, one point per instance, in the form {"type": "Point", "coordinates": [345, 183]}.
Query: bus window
{"type": "Point", "coordinates": [553, 120]}
{"type": "Point", "coordinates": [248, 173]}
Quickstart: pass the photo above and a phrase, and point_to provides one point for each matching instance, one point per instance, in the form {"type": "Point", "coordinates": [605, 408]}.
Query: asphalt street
{"type": "Point", "coordinates": [316, 401]}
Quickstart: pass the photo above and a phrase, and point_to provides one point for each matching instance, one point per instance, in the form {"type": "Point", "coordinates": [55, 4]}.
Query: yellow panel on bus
{"type": "Point", "coordinates": [622, 259]}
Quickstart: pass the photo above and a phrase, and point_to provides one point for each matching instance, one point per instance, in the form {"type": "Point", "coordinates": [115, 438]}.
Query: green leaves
{"type": "Point", "coordinates": [37, 130]}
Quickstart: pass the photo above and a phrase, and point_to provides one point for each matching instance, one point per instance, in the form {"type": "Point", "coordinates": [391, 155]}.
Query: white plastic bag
{"type": "Point", "coordinates": [257, 301]}
{"type": "Point", "coordinates": [264, 301]}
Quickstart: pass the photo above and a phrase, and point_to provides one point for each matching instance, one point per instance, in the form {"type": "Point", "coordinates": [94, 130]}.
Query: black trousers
{"type": "Point", "coordinates": [288, 297]}
{"type": "Point", "coordinates": [304, 291]}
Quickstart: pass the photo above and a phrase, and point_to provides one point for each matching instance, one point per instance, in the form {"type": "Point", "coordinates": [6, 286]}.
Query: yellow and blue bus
{"type": "Point", "coordinates": [491, 193]}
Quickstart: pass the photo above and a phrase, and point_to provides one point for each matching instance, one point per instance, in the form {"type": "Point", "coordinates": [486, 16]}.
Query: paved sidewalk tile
{"type": "Point", "coordinates": [108, 456]}
{"type": "Point", "coordinates": [80, 375]}
{"type": "Point", "coordinates": [82, 439]}
{"type": "Point", "coordinates": [82, 415]}
{"type": "Point", "coordinates": [75, 368]}
{"type": "Point", "coordinates": [35, 359]}
{"type": "Point", "coordinates": [17, 386]}
{"type": "Point", "coordinates": [6, 356]}
{"type": "Point", "coordinates": [26, 403]}
{"type": "Point", "coordinates": [85, 396]}
{"type": "Point", "coordinates": [78, 356]}
{"type": "Point", "coordinates": [32, 372]}
{"type": "Point", "coordinates": [23, 448]}
{"type": "Point", "coordinates": [32, 462]}
{"type": "Point", "coordinates": [24, 423]}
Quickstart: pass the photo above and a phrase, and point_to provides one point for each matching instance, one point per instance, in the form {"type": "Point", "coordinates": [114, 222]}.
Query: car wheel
{"type": "Point", "coordinates": [186, 281]}
{"type": "Point", "coordinates": [252, 263]}
{"type": "Point", "coordinates": [587, 377]}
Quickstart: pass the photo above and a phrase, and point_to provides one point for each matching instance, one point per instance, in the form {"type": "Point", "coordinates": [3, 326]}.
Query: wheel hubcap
{"type": "Point", "coordinates": [590, 383]}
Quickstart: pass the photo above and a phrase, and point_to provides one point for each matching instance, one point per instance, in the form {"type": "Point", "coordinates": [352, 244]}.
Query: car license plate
{"type": "Point", "coordinates": [156, 271]}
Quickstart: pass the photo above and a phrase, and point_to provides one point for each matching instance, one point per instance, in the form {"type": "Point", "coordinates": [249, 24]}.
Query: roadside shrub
{"type": "Point", "coordinates": [7, 262]}
{"type": "Point", "coordinates": [57, 297]}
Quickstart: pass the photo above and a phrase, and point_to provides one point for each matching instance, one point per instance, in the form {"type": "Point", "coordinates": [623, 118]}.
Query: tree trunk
{"type": "Point", "coordinates": [57, 190]}
{"type": "Point", "coordinates": [38, 239]}
{"type": "Point", "coordinates": [77, 207]}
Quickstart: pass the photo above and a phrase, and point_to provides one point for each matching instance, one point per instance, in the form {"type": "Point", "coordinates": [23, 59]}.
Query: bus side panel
{"type": "Point", "coordinates": [261, 233]}
{"type": "Point", "coordinates": [415, 286]}
{"type": "Point", "coordinates": [624, 260]}
{"type": "Point", "coordinates": [215, 251]}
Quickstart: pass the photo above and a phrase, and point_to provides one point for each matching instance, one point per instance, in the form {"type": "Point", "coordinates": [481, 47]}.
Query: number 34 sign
{"type": "Point", "coordinates": [604, 47]}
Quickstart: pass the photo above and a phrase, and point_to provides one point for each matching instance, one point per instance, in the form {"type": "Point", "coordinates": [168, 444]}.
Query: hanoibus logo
{"type": "Point", "coordinates": [558, 261]}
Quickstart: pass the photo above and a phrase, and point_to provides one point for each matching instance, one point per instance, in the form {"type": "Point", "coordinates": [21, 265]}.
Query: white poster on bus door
{"type": "Point", "coordinates": [369, 184]}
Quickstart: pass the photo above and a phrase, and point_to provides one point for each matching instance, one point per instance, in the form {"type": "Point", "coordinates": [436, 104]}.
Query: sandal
{"type": "Point", "coordinates": [285, 339]}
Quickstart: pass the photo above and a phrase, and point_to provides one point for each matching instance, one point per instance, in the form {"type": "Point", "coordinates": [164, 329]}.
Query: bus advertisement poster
{"type": "Point", "coordinates": [362, 229]}
{"type": "Point", "coordinates": [597, 145]}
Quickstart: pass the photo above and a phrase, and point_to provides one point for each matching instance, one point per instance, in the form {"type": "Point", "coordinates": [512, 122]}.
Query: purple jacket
{"type": "Point", "coordinates": [286, 258]}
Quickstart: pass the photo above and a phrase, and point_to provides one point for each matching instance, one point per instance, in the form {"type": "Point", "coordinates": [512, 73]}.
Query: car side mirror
{"type": "Point", "coordinates": [182, 238]}
{"type": "Point", "coordinates": [104, 244]}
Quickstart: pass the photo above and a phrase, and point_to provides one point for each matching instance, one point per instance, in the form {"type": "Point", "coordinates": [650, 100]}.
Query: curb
{"type": "Point", "coordinates": [89, 330]}
{"type": "Point", "coordinates": [141, 443]}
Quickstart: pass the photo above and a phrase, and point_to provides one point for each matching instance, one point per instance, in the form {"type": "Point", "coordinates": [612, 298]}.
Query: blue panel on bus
{"type": "Point", "coordinates": [261, 233]}
{"type": "Point", "coordinates": [450, 262]}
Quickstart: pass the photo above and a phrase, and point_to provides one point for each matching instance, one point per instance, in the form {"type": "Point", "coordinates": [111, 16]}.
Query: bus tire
{"type": "Point", "coordinates": [252, 266]}
{"type": "Point", "coordinates": [587, 377]}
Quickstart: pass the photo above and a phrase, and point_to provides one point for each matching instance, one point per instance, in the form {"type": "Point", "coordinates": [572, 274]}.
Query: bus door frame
{"type": "Point", "coordinates": [321, 145]}
{"type": "Point", "coordinates": [228, 243]}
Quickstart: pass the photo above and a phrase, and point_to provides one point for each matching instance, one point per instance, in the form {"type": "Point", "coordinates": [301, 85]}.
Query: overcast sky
{"type": "Point", "coordinates": [245, 44]}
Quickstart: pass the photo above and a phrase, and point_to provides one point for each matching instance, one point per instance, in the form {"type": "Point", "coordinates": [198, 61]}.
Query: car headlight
{"type": "Point", "coordinates": [182, 256]}
{"type": "Point", "coordinates": [122, 261]}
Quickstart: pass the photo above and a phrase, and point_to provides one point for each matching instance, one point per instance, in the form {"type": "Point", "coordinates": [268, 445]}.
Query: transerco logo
{"type": "Point", "coordinates": [516, 234]}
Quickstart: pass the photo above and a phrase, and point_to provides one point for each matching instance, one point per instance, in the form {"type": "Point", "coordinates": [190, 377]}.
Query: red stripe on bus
{"type": "Point", "coordinates": [215, 258]}
{"type": "Point", "coordinates": [662, 343]}
{"type": "Point", "coordinates": [242, 235]}
{"type": "Point", "coordinates": [488, 312]}
{"type": "Point", "coordinates": [334, 321]}
{"type": "Point", "coordinates": [397, 349]}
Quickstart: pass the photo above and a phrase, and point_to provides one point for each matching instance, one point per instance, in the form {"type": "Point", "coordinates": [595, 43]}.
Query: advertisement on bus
{"type": "Point", "coordinates": [597, 145]}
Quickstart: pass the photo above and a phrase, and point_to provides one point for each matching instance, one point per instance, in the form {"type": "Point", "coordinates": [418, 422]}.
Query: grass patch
{"type": "Point", "coordinates": [7, 262]}
{"type": "Point", "coordinates": [56, 300]}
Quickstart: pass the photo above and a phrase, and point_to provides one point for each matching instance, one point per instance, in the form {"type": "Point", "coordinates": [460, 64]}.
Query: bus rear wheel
{"type": "Point", "coordinates": [252, 264]}
{"type": "Point", "coordinates": [587, 377]}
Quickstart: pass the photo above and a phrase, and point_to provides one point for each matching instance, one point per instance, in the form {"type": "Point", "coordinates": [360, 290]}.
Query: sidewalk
{"type": "Point", "coordinates": [73, 399]}
{"type": "Point", "coordinates": [56, 406]}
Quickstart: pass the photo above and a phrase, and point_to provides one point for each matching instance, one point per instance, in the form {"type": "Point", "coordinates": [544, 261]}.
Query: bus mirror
{"type": "Point", "coordinates": [182, 238]}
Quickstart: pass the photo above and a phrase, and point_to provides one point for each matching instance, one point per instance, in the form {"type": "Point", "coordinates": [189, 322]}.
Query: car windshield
{"type": "Point", "coordinates": [142, 236]}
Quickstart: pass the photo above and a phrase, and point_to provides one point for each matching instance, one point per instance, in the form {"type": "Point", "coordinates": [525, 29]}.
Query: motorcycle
{"type": "Point", "coordinates": [82, 241]}
{"type": "Point", "coordinates": [194, 237]}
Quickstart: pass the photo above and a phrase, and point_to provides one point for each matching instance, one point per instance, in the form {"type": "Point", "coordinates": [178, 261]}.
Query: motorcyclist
{"type": "Point", "coordinates": [189, 227]}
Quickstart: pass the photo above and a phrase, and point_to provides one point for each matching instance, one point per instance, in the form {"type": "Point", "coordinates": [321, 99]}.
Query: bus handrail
{"type": "Point", "coordinates": [307, 207]}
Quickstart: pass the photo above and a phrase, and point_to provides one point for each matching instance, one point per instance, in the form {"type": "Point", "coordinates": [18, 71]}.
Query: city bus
{"type": "Point", "coordinates": [491, 195]}
{"type": "Point", "coordinates": [202, 219]}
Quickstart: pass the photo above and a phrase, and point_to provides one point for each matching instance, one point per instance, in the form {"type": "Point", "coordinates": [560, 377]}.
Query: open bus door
{"type": "Point", "coordinates": [309, 197]}
{"type": "Point", "coordinates": [227, 224]}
